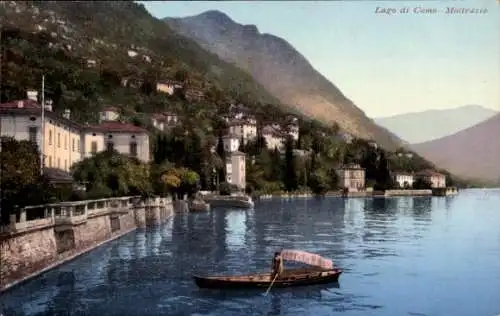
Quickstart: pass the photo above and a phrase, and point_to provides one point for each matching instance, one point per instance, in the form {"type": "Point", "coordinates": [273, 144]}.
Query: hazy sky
{"type": "Point", "coordinates": [386, 64]}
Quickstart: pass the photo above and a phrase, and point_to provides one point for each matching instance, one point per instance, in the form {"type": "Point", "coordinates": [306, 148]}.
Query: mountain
{"type": "Point", "coordinates": [409, 126]}
{"type": "Point", "coordinates": [88, 49]}
{"type": "Point", "coordinates": [282, 70]}
{"type": "Point", "coordinates": [473, 153]}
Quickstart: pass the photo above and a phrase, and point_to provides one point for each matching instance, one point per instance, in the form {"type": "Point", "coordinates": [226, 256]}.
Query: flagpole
{"type": "Point", "coordinates": [42, 146]}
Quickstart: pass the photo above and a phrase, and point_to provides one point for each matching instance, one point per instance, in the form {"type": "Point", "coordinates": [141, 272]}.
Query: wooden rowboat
{"type": "Point", "coordinates": [292, 277]}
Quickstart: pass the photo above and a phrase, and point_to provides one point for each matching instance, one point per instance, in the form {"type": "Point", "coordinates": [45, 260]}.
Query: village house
{"type": "Point", "coordinates": [164, 121]}
{"type": "Point", "coordinates": [403, 179]}
{"type": "Point", "coordinates": [351, 177]}
{"type": "Point", "coordinates": [109, 113]}
{"type": "Point", "coordinates": [236, 169]}
{"type": "Point", "coordinates": [125, 138]}
{"type": "Point", "coordinates": [245, 129]}
{"type": "Point", "coordinates": [437, 180]}
{"type": "Point", "coordinates": [168, 86]}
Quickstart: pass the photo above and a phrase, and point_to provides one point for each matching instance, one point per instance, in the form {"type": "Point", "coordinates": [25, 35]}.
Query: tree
{"type": "Point", "coordinates": [21, 182]}
{"type": "Point", "coordinates": [384, 179]}
{"type": "Point", "coordinates": [221, 152]}
{"type": "Point", "coordinates": [112, 174]}
{"type": "Point", "coordinates": [290, 176]}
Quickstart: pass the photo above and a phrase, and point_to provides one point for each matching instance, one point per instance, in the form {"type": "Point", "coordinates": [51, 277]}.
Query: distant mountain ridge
{"type": "Point", "coordinates": [282, 70]}
{"type": "Point", "coordinates": [473, 153]}
{"type": "Point", "coordinates": [418, 127]}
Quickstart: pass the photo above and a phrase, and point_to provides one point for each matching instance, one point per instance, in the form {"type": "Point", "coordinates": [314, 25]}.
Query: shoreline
{"type": "Point", "coordinates": [359, 194]}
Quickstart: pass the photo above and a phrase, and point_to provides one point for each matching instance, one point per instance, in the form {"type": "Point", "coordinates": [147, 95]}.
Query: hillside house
{"type": "Point", "coordinates": [168, 86]}
{"type": "Point", "coordinates": [243, 129]}
{"type": "Point", "coordinates": [351, 177]}
{"type": "Point", "coordinates": [164, 121]}
{"type": "Point", "coordinates": [437, 180]}
{"type": "Point", "coordinates": [109, 113]}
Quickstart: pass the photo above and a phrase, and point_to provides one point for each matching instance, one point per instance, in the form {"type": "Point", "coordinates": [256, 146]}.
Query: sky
{"type": "Point", "coordinates": [387, 64]}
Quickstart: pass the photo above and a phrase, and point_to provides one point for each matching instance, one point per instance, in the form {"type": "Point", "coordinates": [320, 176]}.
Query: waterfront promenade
{"type": "Point", "coordinates": [44, 236]}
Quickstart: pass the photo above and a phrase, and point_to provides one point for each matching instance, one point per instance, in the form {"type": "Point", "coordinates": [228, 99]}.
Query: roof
{"type": "Point", "coordinates": [111, 108]}
{"type": "Point", "coordinates": [31, 107]}
{"type": "Point", "coordinates": [21, 104]}
{"type": "Point", "coordinates": [236, 122]}
{"type": "Point", "coordinates": [351, 167]}
{"type": "Point", "coordinates": [234, 136]}
{"type": "Point", "coordinates": [116, 127]}
{"type": "Point", "coordinates": [237, 153]}
{"type": "Point", "coordinates": [162, 116]}
{"type": "Point", "coordinates": [401, 173]}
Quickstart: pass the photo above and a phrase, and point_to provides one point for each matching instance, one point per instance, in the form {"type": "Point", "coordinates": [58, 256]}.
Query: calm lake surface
{"type": "Point", "coordinates": [402, 256]}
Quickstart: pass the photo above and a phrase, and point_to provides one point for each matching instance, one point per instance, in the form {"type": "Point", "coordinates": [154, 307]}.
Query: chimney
{"type": "Point", "coordinates": [32, 95]}
{"type": "Point", "coordinates": [67, 114]}
{"type": "Point", "coordinates": [20, 104]}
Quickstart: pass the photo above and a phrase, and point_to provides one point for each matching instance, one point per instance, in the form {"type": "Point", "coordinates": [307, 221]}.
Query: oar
{"type": "Point", "coordinates": [269, 288]}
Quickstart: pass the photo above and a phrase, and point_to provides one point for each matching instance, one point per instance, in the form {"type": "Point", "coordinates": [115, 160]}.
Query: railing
{"type": "Point", "coordinates": [65, 213]}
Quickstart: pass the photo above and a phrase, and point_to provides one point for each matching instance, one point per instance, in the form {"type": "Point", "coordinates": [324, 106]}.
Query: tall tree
{"type": "Point", "coordinates": [290, 176]}
{"type": "Point", "coordinates": [221, 152]}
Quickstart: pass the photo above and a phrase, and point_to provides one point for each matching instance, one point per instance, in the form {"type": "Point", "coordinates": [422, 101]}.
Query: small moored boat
{"type": "Point", "coordinates": [323, 272]}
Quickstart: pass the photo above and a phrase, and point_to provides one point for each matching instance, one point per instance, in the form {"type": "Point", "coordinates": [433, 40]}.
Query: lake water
{"type": "Point", "coordinates": [401, 256]}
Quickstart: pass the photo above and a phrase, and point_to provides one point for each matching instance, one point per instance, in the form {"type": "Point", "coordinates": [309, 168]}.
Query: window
{"type": "Point", "coordinates": [65, 141]}
{"type": "Point", "coordinates": [65, 164]}
{"type": "Point", "coordinates": [78, 145]}
{"type": "Point", "coordinates": [58, 162]}
{"type": "Point", "coordinates": [93, 148]}
{"type": "Point", "coordinates": [73, 145]}
{"type": "Point", "coordinates": [59, 140]}
{"type": "Point", "coordinates": [133, 149]}
{"type": "Point", "coordinates": [33, 131]}
{"type": "Point", "coordinates": [110, 146]}
{"type": "Point", "coordinates": [50, 137]}
{"type": "Point", "coordinates": [50, 161]}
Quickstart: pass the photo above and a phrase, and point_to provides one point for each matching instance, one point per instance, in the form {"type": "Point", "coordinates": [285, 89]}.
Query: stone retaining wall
{"type": "Point", "coordinates": [27, 252]}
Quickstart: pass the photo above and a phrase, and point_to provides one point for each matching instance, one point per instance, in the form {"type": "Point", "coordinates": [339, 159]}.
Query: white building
{"type": "Point", "coordinates": [231, 143]}
{"type": "Point", "coordinates": [403, 179]}
{"type": "Point", "coordinates": [236, 169]}
{"type": "Point", "coordinates": [243, 129]}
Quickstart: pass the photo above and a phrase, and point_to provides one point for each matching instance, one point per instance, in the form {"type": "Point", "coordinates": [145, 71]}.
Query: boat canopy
{"type": "Point", "coordinates": [307, 258]}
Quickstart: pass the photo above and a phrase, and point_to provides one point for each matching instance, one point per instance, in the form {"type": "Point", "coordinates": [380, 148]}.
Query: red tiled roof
{"type": "Point", "coordinates": [26, 104]}
{"type": "Point", "coordinates": [117, 127]}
